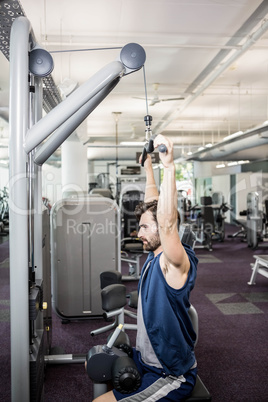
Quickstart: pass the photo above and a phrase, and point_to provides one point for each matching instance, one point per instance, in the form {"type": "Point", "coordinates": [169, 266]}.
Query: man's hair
{"type": "Point", "coordinates": [151, 206]}
{"type": "Point", "coordinates": [146, 206]}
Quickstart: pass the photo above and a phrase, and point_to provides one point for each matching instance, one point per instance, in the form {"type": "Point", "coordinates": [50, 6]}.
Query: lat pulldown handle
{"type": "Point", "coordinates": [149, 148]}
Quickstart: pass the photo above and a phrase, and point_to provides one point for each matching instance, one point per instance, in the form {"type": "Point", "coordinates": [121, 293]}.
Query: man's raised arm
{"type": "Point", "coordinates": [167, 213]}
{"type": "Point", "coordinates": [151, 191]}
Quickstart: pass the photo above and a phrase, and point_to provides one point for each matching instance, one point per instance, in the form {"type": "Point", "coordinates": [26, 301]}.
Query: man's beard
{"type": "Point", "coordinates": [153, 244]}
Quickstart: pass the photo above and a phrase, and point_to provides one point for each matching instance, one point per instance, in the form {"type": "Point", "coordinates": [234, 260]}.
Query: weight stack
{"type": "Point", "coordinates": [37, 368]}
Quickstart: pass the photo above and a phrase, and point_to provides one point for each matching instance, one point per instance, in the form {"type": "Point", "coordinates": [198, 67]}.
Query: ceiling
{"type": "Point", "coordinates": [211, 53]}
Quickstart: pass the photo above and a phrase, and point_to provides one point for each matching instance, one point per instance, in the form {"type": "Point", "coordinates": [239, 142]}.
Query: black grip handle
{"type": "Point", "coordinates": [149, 148]}
{"type": "Point", "coordinates": [143, 156]}
{"type": "Point", "coordinates": [150, 145]}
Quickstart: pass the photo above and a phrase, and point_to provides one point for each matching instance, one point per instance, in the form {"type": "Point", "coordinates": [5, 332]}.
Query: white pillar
{"type": "Point", "coordinates": [74, 166]}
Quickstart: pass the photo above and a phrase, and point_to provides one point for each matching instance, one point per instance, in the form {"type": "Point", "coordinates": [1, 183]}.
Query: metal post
{"type": "Point", "coordinates": [19, 309]}
{"type": "Point", "coordinates": [37, 199]}
{"type": "Point", "coordinates": [38, 236]}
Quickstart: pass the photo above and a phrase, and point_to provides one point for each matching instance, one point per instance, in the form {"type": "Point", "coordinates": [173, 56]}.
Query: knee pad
{"type": "Point", "coordinates": [125, 375]}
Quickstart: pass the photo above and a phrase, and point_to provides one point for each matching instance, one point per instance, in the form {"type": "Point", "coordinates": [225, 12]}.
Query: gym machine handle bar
{"type": "Point", "coordinates": [149, 148]}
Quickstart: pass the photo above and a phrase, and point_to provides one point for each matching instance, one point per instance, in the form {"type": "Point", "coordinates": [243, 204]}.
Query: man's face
{"type": "Point", "coordinates": [148, 232]}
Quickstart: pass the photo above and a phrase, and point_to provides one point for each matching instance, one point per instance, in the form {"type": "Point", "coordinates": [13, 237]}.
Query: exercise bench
{"type": "Point", "coordinates": [260, 267]}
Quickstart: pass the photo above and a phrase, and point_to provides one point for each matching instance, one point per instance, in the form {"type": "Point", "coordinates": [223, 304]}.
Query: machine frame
{"type": "Point", "coordinates": [28, 130]}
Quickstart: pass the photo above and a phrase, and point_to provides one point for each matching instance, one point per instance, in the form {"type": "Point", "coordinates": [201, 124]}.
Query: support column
{"type": "Point", "coordinates": [74, 167]}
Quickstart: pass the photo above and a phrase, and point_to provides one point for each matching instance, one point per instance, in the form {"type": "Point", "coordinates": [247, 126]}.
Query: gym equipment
{"type": "Point", "coordinates": [254, 220]}
{"type": "Point", "coordinates": [127, 204]}
{"type": "Point", "coordinates": [108, 362]}
{"type": "Point", "coordinates": [79, 229]}
{"type": "Point", "coordinates": [205, 224]}
{"type": "Point", "coordinates": [131, 252]}
{"type": "Point", "coordinates": [46, 261]}
{"type": "Point", "coordinates": [217, 198]}
{"type": "Point", "coordinates": [219, 217]}
{"type": "Point", "coordinates": [260, 267]}
{"type": "Point", "coordinates": [100, 361]}
{"type": "Point", "coordinates": [114, 299]}
{"type": "Point", "coordinates": [254, 227]}
{"type": "Point", "coordinates": [101, 186]}
{"type": "Point", "coordinates": [4, 212]}
{"type": "Point", "coordinates": [131, 246]}
{"type": "Point", "coordinates": [28, 150]}
{"type": "Point", "coordinates": [265, 219]}
{"type": "Point", "coordinates": [184, 206]}
{"type": "Point", "coordinates": [242, 223]}
{"type": "Point", "coordinates": [40, 62]}
{"type": "Point", "coordinates": [210, 222]}
{"type": "Point", "coordinates": [187, 235]}
{"type": "Point", "coordinates": [149, 145]}
{"type": "Point", "coordinates": [104, 192]}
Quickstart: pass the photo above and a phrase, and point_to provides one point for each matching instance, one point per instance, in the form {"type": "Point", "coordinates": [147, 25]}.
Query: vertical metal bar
{"type": "Point", "coordinates": [118, 238]}
{"type": "Point", "coordinates": [19, 309]}
{"type": "Point", "coordinates": [38, 223]}
{"type": "Point", "coordinates": [86, 267]}
{"type": "Point", "coordinates": [37, 200]}
{"type": "Point", "coordinates": [31, 181]}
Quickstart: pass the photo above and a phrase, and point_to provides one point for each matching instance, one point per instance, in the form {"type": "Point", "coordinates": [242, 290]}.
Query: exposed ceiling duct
{"type": "Point", "coordinates": [230, 148]}
{"type": "Point", "coordinates": [217, 66]}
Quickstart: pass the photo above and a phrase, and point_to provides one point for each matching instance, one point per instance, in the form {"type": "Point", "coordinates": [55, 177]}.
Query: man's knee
{"type": "Point", "coordinates": [108, 397]}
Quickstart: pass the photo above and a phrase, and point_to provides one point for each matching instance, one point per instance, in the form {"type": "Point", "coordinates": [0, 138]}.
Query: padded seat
{"type": "Point", "coordinates": [109, 278]}
{"type": "Point", "coordinates": [113, 297]}
{"type": "Point", "coordinates": [200, 392]}
{"type": "Point", "coordinates": [133, 299]}
{"type": "Point", "coordinates": [132, 245]}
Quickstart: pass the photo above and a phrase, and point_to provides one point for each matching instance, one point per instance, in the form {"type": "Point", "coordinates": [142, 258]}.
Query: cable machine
{"type": "Point", "coordinates": [28, 66]}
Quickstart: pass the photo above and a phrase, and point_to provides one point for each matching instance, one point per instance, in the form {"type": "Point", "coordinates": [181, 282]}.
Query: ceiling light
{"type": "Point", "coordinates": [221, 165]}
{"type": "Point", "coordinates": [232, 163]}
{"type": "Point", "coordinates": [133, 143]}
{"type": "Point", "coordinates": [208, 145]}
{"type": "Point", "coordinates": [201, 148]}
{"type": "Point", "coordinates": [242, 162]}
{"type": "Point", "coordinates": [189, 153]}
